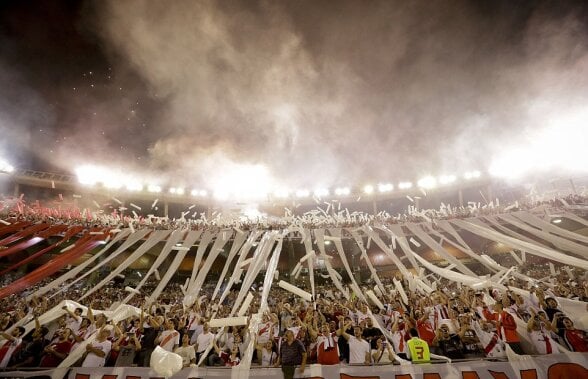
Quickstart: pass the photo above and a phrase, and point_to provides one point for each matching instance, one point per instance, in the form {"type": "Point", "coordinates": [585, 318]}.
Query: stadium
{"type": "Point", "coordinates": [139, 241]}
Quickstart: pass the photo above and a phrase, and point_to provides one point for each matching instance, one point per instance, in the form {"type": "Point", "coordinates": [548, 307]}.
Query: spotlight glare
{"type": "Point", "coordinates": [282, 193]}
{"type": "Point", "coordinates": [173, 190]}
{"type": "Point", "coordinates": [194, 192]}
{"type": "Point", "coordinates": [321, 192]}
{"type": "Point", "coordinates": [221, 195]}
{"type": "Point", "coordinates": [302, 193]}
{"type": "Point", "coordinates": [180, 191]}
{"type": "Point", "coordinates": [203, 193]}
{"type": "Point", "coordinates": [427, 182]}
{"type": "Point", "coordinates": [369, 189]}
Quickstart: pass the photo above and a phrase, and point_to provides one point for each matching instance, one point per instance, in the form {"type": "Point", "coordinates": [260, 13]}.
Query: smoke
{"type": "Point", "coordinates": [328, 93]}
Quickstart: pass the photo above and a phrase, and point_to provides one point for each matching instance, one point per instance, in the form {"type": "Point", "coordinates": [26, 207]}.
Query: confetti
{"type": "Point", "coordinates": [135, 206]}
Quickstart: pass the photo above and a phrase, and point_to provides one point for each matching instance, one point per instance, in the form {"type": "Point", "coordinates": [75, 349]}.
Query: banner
{"type": "Point", "coordinates": [556, 366]}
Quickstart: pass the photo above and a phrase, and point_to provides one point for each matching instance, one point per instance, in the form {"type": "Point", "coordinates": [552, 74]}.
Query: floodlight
{"type": "Point", "coordinates": [86, 175]}
{"type": "Point", "coordinates": [472, 175]}
{"type": "Point", "coordinates": [153, 188]}
{"type": "Point", "coordinates": [5, 166]}
{"type": "Point", "coordinates": [173, 190]}
{"type": "Point", "coordinates": [203, 193]}
{"type": "Point", "coordinates": [385, 187]}
{"type": "Point", "coordinates": [447, 179]}
{"type": "Point", "coordinates": [404, 185]}
{"type": "Point", "coordinates": [427, 182]}
{"type": "Point", "coordinates": [369, 189]}
{"type": "Point", "coordinates": [134, 186]}
{"type": "Point", "coordinates": [321, 192]}
{"type": "Point", "coordinates": [344, 191]}
{"type": "Point", "coordinates": [194, 192]}
{"type": "Point", "coordinates": [112, 183]}
{"type": "Point", "coordinates": [180, 191]}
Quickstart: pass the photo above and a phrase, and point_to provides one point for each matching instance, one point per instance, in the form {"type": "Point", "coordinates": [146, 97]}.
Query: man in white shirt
{"type": "Point", "coordinates": [186, 351]}
{"type": "Point", "coordinates": [203, 341]}
{"type": "Point", "coordinates": [359, 349]}
{"type": "Point", "coordinates": [74, 319]}
{"type": "Point", "coordinates": [169, 339]}
{"type": "Point", "coordinates": [98, 350]}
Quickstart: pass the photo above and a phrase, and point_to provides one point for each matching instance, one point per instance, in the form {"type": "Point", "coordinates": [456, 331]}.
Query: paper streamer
{"type": "Point", "coordinates": [5, 222]}
{"type": "Point", "coordinates": [370, 294]}
{"type": "Point", "coordinates": [132, 290]}
{"type": "Point", "coordinates": [400, 290]}
{"type": "Point", "coordinates": [521, 245]}
{"type": "Point", "coordinates": [238, 242]}
{"type": "Point", "coordinates": [153, 238]}
{"type": "Point", "coordinates": [295, 290]}
{"type": "Point", "coordinates": [165, 363]}
{"type": "Point", "coordinates": [228, 321]}
{"type": "Point", "coordinates": [307, 256]}
{"type": "Point", "coordinates": [245, 306]}
{"type": "Point", "coordinates": [68, 248]}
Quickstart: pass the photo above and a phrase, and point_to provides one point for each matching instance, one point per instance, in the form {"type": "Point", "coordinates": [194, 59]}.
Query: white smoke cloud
{"type": "Point", "coordinates": [349, 92]}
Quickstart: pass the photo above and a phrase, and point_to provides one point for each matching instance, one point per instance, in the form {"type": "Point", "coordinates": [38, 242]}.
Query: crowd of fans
{"type": "Point", "coordinates": [455, 321]}
{"type": "Point", "coordinates": [116, 215]}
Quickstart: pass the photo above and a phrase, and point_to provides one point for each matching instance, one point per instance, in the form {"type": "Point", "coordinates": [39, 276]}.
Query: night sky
{"type": "Point", "coordinates": [318, 92]}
